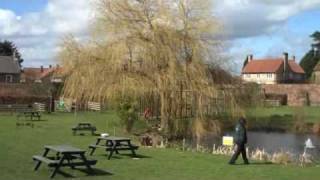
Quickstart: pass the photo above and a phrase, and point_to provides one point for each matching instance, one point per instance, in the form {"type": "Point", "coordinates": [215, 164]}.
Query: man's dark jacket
{"type": "Point", "coordinates": [241, 133]}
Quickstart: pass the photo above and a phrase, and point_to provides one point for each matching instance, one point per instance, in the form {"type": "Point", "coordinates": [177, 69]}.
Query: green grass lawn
{"type": "Point", "coordinates": [19, 143]}
{"type": "Point", "coordinates": [310, 114]}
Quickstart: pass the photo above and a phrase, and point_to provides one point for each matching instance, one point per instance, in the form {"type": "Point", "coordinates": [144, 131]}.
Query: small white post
{"type": "Point", "coordinates": [183, 144]}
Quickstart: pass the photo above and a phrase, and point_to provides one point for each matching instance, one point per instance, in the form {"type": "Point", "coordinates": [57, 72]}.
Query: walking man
{"type": "Point", "coordinates": [241, 141]}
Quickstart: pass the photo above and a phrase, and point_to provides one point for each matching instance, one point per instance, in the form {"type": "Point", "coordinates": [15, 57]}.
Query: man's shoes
{"type": "Point", "coordinates": [231, 163]}
{"type": "Point", "coordinates": [246, 163]}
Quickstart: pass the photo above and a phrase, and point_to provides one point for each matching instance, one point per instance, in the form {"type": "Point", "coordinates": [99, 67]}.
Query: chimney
{"type": "Point", "coordinates": [250, 57]}
{"type": "Point", "coordinates": [41, 69]}
{"type": "Point", "coordinates": [50, 66]}
{"type": "Point", "coordinates": [285, 66]}
{"type": "Point", "coordinates": [14, 55]}
{"type": "Point", "coordinates": [294, 58]}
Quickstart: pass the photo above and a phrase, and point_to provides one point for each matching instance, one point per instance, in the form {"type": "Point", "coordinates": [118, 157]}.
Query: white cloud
{"type": "Point", "coordinates": [9, 23]}
{"type": "Point", "coordinates": [37, 33]}
{"type": "Point", "coordinates": [247, 18]}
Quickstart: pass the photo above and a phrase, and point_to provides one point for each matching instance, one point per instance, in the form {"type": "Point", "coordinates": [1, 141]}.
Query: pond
{"type": "Point", "coordinates": [270, 141]}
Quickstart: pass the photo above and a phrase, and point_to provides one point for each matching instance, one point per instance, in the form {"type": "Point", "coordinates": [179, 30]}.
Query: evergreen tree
{"type": "Point", "coordinates": [311, 59]}
{"type": "Point", "coordinates": [7, 48]}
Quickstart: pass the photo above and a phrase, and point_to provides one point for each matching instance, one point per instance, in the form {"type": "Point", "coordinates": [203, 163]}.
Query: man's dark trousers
{"type": "Point", "coordinates": [240, 148]}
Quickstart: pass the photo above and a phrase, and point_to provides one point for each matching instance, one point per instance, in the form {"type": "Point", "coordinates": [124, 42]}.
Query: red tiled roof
{"type": "Point", "coordinates": [296, 67]}
{"type": "Point", "coordinates": [263, 66]}
{"type": "Point", "coordinates": [270, 66]}
{"type": "Point", "coordinates": [36, 73]}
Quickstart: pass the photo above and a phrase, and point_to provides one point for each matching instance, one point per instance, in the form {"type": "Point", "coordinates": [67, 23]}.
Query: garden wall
{"type": "Point", "coordinates": [297, 94]}
{"type": "Point", "coordinates": [25, 94]}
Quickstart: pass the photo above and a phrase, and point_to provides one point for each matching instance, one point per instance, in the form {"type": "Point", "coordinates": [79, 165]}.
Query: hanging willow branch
{"type": "Point", "coordinates": [141, 46]}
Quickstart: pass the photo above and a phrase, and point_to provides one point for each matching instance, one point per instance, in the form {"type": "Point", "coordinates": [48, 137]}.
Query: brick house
{"type": "Point", "coordinates": [272, 70]}
{"type": "Point", "coordinates": [9, 70]}
{"type": "Point", "coordinates": [41, 75]}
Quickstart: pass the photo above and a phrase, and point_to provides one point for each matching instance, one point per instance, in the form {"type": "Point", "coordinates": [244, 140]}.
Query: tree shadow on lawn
{"type": "Point", "coordinates": [120, 156]}
{"type": "Point", "coordinates": [93, 172]}
{"type": "Point", "coordinates": [260, 163]}
{"type": "Point", "coordinates": [254, 163]}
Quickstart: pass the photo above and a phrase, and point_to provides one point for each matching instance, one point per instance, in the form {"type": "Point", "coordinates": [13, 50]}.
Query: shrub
{"type": "Point", "coordinates": [316, 128]}
{"type": "Point", "coordinates": [282, 158]}
{"type": "Point", "coordinates": [299, 125]}
{"type": "Point", "coordinates": [128, 113]}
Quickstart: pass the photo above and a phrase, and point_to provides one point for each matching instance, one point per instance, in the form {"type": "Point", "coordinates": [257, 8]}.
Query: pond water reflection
{"type": "Point", "coordinates": [270, 141]}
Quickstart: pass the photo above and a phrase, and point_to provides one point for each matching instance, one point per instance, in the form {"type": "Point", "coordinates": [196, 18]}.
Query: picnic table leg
{"type": "Point", "coordinates": [114, 145]}
{"type": "Point", "coordinates": [132, 149]}
{"type": "Point", "coordinates": [84, 159]}
{"type": "Point", "coordinates": [56, 169]}
{"type": "Point", "coordinates": [39, 162]}
{"type": "Point", "coordinates": [94, 148]}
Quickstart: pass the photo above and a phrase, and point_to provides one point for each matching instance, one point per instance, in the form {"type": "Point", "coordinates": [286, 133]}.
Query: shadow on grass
{"type": "Point", "coordinates": [93, 172]}
{"type": "Point", "coordinates": [253, 163]}
{"type": "Point", "coordinates": [261, 163]}
{"type": "Point", "coordinates": [137, 156]}
{"type": "Point", "coordinates": [120, 156]}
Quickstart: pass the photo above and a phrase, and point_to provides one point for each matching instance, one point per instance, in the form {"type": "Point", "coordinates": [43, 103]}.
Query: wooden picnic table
{"type": "Point", "coordinates": [65, 155]}
{"type": "Point", "coordinates": [114, 144]}
{"type": "Point", "coordinates": [84, 126]}
{"type": "Point", "coordinates": [30, 113]}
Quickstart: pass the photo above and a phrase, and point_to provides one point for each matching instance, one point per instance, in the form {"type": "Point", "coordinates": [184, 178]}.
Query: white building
{"type": "Point", "coordinates": [273, 70]}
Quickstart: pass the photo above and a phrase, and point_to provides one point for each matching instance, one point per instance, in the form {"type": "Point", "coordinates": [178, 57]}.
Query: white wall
{"type": "Point", "coordinates": [261, 78]}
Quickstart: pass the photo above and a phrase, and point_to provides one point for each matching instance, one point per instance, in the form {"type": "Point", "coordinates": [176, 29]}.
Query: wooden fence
{"type": "Point", "coordinates": [40, 107]}
{"type": "Point", "coordinates": [94, 106]}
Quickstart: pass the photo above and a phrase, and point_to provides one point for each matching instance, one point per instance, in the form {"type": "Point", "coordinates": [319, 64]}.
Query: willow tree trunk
{"type": "Point", "coordinates": [165, 115]}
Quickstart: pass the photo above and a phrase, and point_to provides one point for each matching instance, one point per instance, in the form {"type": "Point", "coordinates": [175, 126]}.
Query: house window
{"type": "Point", "coordinates": [258, 75]}
{"type": "Point", "coordinates": [269, 75]}
{"type": "Point", "coordinates": [248, 75]}
{"type": "Point", "coordinates": [9, 78]}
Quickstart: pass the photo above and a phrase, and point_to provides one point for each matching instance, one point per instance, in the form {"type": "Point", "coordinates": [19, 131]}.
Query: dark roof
{"type": "Point", "coordinates": [8, 65]}
{"type": "Point", "coordinates": [270, 66]}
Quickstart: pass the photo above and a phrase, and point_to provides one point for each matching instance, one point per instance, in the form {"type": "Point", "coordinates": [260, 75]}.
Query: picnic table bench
{"type": "Point", "coordinates": [84, 127]}
{"type": "Point", "coordinates": [113, 144]}
{"type": "Point", "coordinates": [30, 114]}
{"type": "Point", "coordinates": [65, 155]}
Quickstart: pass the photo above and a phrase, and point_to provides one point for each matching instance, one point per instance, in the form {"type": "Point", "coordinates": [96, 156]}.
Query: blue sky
{"type": "Point", "coordinates": [21, 7]}
{"type": "Point", "coordinates": [264, 28]}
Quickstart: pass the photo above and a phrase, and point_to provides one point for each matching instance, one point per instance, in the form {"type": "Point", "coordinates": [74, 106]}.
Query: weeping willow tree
{"type": "Point", "coordinates": [143, 46]}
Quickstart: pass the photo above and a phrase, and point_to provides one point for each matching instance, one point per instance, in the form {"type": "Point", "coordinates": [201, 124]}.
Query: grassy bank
{"type": "Point", "coordinates": [19, 143]}
{"type": "Point", "coordinates": [283, 117]}
{"type": "Point", "coordinates": [311, 114]}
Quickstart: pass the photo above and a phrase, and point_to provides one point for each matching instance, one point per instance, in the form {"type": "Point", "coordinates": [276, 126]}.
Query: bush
{"type": "Point", "coordinates": [299, 125]}
{"type": "Point", "coordinates": [282, 158]}
{"type": "Point", "coordinates": [128, 113]}
{"type": "Point", "coordinates": [316, 128]}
